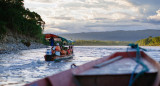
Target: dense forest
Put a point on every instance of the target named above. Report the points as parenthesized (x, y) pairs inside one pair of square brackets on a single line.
[(102, 43), (16, 18), (150, 41)]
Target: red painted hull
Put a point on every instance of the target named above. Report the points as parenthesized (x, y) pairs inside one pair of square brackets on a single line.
[(71, 77)]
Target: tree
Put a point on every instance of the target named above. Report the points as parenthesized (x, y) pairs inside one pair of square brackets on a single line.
[(15, 17)]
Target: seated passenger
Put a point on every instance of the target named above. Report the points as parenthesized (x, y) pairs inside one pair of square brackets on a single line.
[(71, 50), (57, 49), (53, 50), (68, 52), (63, 52)]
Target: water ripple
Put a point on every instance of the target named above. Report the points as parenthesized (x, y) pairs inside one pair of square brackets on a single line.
[(23, 67)]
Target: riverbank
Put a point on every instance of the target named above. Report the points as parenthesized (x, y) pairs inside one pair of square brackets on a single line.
[(9, 47), (15, 42)]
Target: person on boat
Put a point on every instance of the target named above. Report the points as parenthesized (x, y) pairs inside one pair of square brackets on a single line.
[(57, 49), (53, 50), (63, 52), (68, 51), (53, 53), (51, 41), (71, 49)]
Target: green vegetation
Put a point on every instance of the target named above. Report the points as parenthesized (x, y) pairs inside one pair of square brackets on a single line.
[(150, 41), (14, 17), (97, 43)]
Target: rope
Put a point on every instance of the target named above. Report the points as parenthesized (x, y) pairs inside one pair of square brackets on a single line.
[(131, 79), (139, 61)]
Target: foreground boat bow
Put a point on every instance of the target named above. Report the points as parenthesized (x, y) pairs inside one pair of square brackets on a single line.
[(113, 70)]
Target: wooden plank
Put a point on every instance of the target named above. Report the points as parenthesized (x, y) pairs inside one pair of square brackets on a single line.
[(107, 62)]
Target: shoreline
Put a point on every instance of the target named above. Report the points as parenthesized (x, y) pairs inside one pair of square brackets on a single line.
[(16, 42), (12, 47)]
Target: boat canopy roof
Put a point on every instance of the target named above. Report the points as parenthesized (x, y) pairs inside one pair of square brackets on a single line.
[(48, 36), (64, 39)]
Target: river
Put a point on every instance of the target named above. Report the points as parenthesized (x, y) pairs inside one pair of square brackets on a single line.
[(19, 68)]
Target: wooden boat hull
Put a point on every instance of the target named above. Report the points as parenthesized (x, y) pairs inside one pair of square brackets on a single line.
[(58, 58), (116, 80), (73, 77)]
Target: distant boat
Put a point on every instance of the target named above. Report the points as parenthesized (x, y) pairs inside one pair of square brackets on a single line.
[(67, 45), (118, 69), (58, 58)]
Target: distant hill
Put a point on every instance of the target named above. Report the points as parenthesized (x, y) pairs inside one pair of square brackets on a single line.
[(100, 43), (150, 41), (113, 35)]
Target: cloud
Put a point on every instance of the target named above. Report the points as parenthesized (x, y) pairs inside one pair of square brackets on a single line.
[(61, 18), (155, 17), (145, 2), (70, 16), (54, 30), (41, 1), (147, 7), (115, 25)]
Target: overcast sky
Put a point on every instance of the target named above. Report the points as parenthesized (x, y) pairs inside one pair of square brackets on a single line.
[(74, 16)]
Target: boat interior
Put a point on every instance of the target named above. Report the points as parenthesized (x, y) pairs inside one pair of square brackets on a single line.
[(116, 70)]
